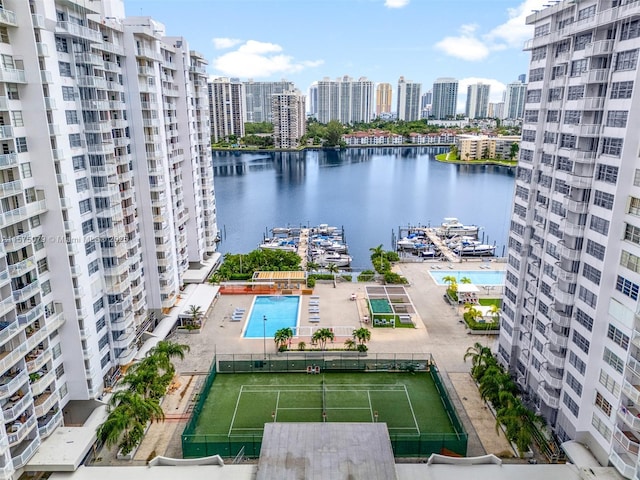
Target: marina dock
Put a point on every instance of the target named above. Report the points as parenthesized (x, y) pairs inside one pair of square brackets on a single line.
[(303, 247), (445, 251)]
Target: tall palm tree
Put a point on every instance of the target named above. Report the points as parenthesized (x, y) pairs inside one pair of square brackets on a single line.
[(471, 312), (350, 344), (312, 267), (481, 358), (495, 381), (362, 335), (520, 422), (494, 310), (332, 268), (196, 314), (377, 252), (466, 280), (321, 336), (282, 337)]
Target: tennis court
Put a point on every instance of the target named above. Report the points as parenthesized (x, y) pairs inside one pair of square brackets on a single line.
[(240, 404)]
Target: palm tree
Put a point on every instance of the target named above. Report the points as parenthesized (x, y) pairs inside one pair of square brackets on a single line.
[(520, 422), (472, 313), (282, 337), (494, 310), (481, 358), (466, 280), (332, 268), (362, 335), (494, 381), (196, 313), (452, 281), (377, 252), (165, 351), (321, 336), (350, 344), (312, 267)]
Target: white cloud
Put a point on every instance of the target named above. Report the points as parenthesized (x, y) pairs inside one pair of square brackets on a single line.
[(396, 3), (255, 59), (222, 43), (510, 34)]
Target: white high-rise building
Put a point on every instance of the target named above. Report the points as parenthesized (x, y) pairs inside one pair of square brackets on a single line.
[(445, 97), (289, 119), (345, 99), (408, 105), (105, 201), (313, 99), (477, 100), (514, 100), (258, 98), (227, 108), (570, 327)]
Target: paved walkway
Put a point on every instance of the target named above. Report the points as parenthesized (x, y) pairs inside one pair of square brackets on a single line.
[(439, 331)]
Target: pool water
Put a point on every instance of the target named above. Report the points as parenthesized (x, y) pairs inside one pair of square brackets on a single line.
[(281, 311), (485, 277)]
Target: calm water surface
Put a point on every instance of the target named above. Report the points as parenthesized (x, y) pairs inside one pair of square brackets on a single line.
[(368, 191)]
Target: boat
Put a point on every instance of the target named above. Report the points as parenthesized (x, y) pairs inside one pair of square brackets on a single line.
[(333, 258), (452, 227), (278, 244), (428, 253), (475, 250)]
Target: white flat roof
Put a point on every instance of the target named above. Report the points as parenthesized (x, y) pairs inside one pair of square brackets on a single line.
[(210, 472), (467, 288), (200, 275)]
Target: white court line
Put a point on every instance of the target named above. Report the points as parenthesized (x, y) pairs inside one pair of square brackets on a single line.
[(412, 412), (235, 411), (370, 406), (277, 403)]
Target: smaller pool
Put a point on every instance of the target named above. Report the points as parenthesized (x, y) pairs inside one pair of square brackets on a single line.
[(486, 277), (281, 311)]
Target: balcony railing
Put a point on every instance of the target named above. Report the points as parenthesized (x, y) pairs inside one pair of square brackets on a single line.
[(12, 75), (46, 428), (26, 454), (44, 403), (7, 17), (18, 431), (631, 391), (623, 463), (627, 439), (79, 31), (555, 359), (14, 409), (12, 384), (550, 398)]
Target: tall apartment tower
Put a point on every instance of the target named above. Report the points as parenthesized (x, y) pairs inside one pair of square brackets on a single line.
[(258, 98), (570, 329), (289, 119), (226, 108), (313, 99), (384, 92), (408, 104), (445, 97), (345, 99), (495, 110), (426, 99), (90, 148), (514, 100), (477, 101)]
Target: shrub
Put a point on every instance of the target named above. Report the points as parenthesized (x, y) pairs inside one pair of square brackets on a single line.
[(311, 282), (362, 348), (366, 276), (394, 278)]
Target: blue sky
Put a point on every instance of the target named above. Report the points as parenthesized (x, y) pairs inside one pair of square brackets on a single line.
[(306, 40)]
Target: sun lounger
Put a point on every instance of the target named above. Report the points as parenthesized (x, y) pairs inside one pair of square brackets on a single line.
[(314, 319), (314, 302), (314, 297), (314, 310)]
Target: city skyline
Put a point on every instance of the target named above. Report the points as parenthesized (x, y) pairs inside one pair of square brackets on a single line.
[(481, 42)]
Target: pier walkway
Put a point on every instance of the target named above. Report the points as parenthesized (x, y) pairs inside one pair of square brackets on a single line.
[(303, 247), (441, 245)]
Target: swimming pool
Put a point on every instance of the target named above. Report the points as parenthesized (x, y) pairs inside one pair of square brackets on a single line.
[(486, 277), (281, 311)]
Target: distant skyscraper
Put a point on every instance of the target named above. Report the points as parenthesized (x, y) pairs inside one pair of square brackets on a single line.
[(345, 100), (477, 101), (384, 92), (226, 105), (495, 110), (313, 99), (408, 105), (514, 98), (289, 119), (445, 96), (426, 99), (522, 78), (258, 98)]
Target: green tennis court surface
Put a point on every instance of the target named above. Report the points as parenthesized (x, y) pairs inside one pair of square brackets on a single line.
[(240, 404)]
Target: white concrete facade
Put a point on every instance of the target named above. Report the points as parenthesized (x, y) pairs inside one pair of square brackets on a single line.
[(345, 100), (289, 119), (514, 100), (408, 104), (570, 328), (227, 108), (258, 99), (477, 101), (445, 96)]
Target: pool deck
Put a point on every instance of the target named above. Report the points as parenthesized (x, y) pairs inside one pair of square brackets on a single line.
[(439, 331)]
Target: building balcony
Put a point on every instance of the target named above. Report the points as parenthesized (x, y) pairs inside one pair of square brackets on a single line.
[(15, 407), (97, 127), (18, 431), (8, 160), (10, 358), (30, 315), (8, 18), (55, 321), (89, 58), (627, 439), (630, 416), (579, 181), (599, 75), (12, 75), (37, 359), (23, 213), (26, 292), (8, 330), (598, 48), (126, 356), (589, 130), (20, 459), (125, 340), (95, 105), (148, 53), (563, 297), (79, 31), (18, 269), (558, 340), (48, 423), (44, 403), (572, 230), (631, 391), (40, 385), (634, 365), (624, 463), (555, 359), (9, 384), (6, 132), (549, 397), (577, 207), (551, 379)]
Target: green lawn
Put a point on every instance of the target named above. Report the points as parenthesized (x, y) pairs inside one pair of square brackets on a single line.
[(242, 403), (490, 301)]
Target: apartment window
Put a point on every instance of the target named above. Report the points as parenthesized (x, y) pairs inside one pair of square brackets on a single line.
[(627, 287), (575, 385), (82, 184), (629, 30), (599, 225), (555, 94), (613, 360), (12, 91), (630, 261), (572, 117), (72, 117), (603, 199), (575, 92), (536, 74), (45, 287), (626, 60), (618, 337), (601, 427), (65, 69), (87, 227), (4, 35), (89, 247), (512, 279), (622, 89), (85, 206), (587, 296), (43, 266), (79, 162), (602, 404), (61, 45), (56, 351), (35, 221), (632, 234), (59, 371), (583, 319), (581, 342), (577, 363), (21, 144), (542, 30), (549, 137), (595, 249), (529, 135), (578, 67), (587, 12), (25, 168), (553, 116), (563, 46), (617, 118), (581, 41), (564, 164), (539, 53), (68, 94), (98, 305), (64, 390), (531, 116), (523, 193), (534, 96), (16, 118), (612, 146), (591, 273), (609, 383), (561, 186), (567, 141), (75, 140), (607, 173), (571, 404), (558, 71)]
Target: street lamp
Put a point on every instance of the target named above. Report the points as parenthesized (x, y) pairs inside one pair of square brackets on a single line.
[(264, 335)]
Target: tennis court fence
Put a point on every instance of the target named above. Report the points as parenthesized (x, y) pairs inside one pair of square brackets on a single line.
[(404, 445)]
